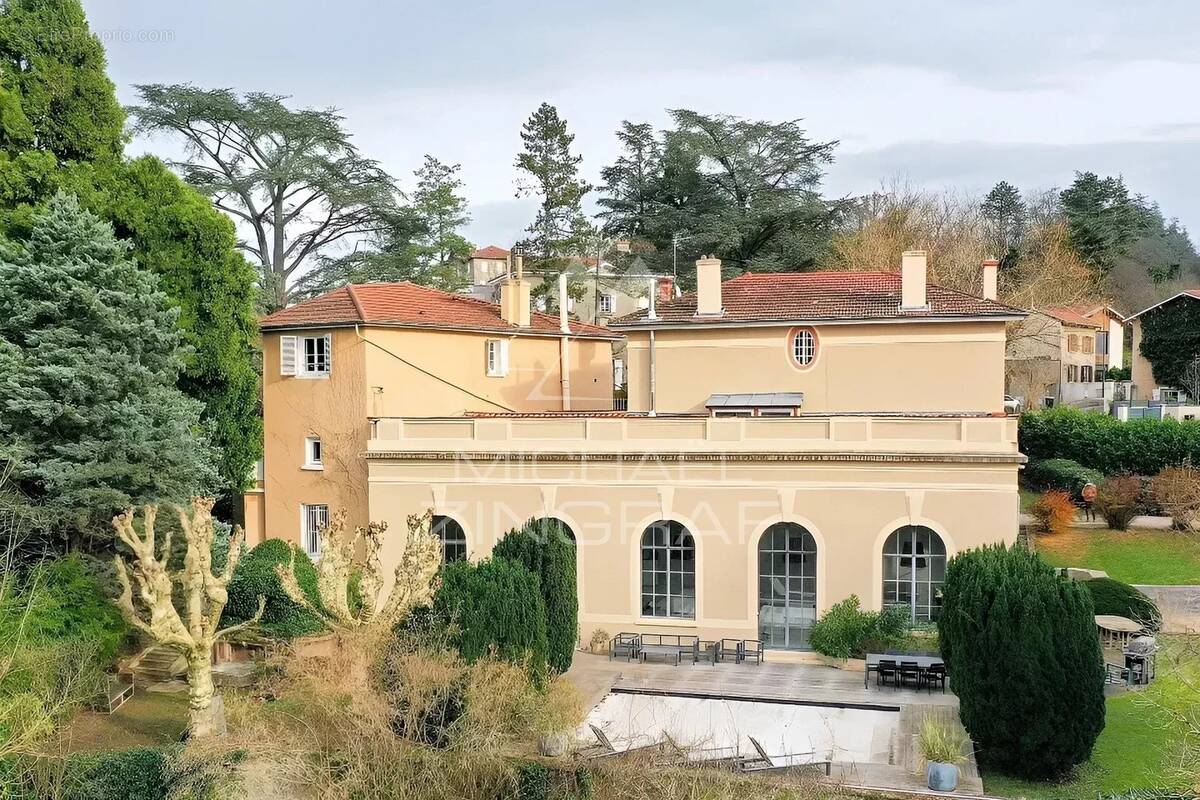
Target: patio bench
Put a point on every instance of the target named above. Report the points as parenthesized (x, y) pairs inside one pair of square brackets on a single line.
[(668, 646)]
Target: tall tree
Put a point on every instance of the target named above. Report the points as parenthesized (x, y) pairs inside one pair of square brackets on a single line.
[(56, 67), (422, 243), (440, 208), (291, 177), (90, 357), (551, 173), (61, 129), (1006, 217), (1102, 218), (632, 183), (745, 190)]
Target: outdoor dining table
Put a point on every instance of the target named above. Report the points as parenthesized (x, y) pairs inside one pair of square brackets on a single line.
[(873, 659)]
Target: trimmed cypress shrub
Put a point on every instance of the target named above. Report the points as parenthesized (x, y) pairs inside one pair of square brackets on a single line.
[(497, 605), (255, 575), (1060, 474), (544, 547), (1021, 649), (1104, 443), (1111, 596)]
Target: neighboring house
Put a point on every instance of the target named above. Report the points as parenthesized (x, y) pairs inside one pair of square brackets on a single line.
[(333, 363), (1148, 387), (795, 439), (487, 265), (1110, 338), (1051, 358)]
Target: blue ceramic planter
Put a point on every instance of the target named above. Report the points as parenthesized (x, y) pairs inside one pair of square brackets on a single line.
[(942, 777)]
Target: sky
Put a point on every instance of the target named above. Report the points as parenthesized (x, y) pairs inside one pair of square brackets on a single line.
[(940, 95)]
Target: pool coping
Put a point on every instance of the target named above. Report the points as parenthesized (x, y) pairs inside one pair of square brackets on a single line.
[(744, 698)]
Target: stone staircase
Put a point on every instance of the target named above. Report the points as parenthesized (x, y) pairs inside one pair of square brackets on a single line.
[(157, 664)]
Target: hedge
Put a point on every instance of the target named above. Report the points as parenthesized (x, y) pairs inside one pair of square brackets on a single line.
[(1060, 474), (1110, 596), (544, 547), (846, 631), (1020, 645), (1104, 443), (255, 575), (494, 605)]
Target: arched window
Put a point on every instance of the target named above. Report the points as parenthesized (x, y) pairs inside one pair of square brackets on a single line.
[(914, 568), (454, 538), (804, 347), (787, 586), (668, 571)]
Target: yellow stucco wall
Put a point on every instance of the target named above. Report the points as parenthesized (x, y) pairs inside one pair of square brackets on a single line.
[(724, 480), (391, 372), (921, 367)]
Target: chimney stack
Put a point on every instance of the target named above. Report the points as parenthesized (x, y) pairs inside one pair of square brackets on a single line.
[(653, 297), (913, 269), (991, 271), (708, 287), (514, 298), (564, 324)]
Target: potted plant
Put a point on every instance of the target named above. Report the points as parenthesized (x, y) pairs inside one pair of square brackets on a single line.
[(599, 641), (944, 747)]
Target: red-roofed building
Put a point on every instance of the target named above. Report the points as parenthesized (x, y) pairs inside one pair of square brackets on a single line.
[(1053, 357), (791, 440), (487, 264)]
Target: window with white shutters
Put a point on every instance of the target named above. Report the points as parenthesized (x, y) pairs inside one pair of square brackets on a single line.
[(497, 358), (317, 356)]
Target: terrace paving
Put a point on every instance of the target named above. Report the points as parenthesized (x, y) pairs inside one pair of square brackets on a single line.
[(791, 683)]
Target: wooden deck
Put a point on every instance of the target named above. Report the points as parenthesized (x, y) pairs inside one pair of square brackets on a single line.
[(896, 764)]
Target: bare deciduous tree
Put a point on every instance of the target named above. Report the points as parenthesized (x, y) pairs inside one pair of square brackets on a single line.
[(1177, 490), (1189, 379), (413, 578), (203, 595)]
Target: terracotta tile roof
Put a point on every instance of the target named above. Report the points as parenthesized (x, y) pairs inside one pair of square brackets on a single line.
[(491, 251), (409, 305), (787, 296), (1070, 316)]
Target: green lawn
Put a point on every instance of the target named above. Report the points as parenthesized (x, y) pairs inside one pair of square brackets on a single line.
[(1133, 751), (148, 719), (1028, 498), (1139, 556)]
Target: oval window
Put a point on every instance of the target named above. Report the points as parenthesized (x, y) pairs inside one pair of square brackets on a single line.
[(804, 347)]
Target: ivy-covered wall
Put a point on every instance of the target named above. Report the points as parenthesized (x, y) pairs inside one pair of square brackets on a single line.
[(1171, 339)]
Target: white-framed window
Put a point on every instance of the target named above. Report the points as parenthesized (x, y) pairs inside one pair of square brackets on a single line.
[(497, 358), (618, 372), (606, 303), (804, 347), (312, 519), (1086, 374), (312, 453), (316, 355)]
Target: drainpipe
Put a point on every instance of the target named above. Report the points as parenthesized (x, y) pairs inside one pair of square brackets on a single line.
[(564, 343), (653, 372)]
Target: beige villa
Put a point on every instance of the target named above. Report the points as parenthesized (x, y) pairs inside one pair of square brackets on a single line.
[(1051, 358), (791, 439)]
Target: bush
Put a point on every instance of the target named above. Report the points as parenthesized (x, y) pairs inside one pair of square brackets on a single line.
[(68, 603), (1177, 491), (544, 548), (1054, 512), (1111, 596), (255, 575), (1117, 500), (1104, 443), (846, 631), (495, 605), (1020, 645), (1060, 474), (143, 773), (537, 781)]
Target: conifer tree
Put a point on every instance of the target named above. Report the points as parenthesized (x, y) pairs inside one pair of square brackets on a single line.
[(90, 356), (551, 173), (1021, 649), (545, 548)]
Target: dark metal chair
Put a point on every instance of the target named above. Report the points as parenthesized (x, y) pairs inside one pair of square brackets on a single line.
[(751, 650), (729, 649), (935, 673), (887, 669), (706, 651), (910, 670), (625, 644)]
